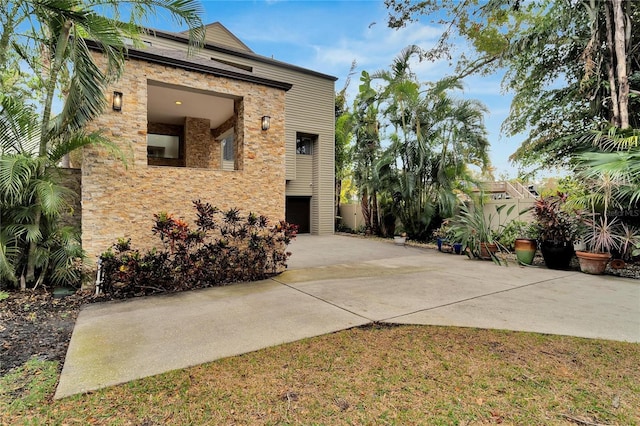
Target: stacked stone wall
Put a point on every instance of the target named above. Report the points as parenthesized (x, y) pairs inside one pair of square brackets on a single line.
[(72, 180), (119, 200)]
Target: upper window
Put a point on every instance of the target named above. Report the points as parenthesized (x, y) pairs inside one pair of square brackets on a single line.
[(304, 144)]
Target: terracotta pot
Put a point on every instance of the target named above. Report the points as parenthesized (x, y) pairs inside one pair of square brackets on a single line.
[(486, 249), (557, 255), (617, 264), (525, 249), (593, 263)]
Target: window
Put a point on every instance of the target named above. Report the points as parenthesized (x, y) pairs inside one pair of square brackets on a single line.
[(304, 144), (165, 149), (228, 153), (163, 146)]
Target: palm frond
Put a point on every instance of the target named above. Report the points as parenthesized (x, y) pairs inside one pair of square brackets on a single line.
[(52, 197), (16, 174)]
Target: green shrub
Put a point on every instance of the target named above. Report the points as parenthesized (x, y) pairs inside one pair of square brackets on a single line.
[(242, 249)]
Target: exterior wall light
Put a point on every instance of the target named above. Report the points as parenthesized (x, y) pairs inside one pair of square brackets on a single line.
[(266, 122), (117, 101)]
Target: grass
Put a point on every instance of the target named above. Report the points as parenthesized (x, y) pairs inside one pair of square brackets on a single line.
[(373, 375)]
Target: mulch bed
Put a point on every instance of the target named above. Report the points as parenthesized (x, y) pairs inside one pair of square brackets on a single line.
[(35, 324)]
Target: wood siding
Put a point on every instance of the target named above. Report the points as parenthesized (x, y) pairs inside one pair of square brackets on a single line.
[(303, 184)]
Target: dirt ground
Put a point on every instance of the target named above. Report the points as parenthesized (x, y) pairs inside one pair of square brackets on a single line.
[(35, 324)]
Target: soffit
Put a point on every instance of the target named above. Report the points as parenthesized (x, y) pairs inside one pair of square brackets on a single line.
[(162, 107)]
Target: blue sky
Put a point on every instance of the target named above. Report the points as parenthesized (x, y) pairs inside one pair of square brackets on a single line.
[(327, 36)]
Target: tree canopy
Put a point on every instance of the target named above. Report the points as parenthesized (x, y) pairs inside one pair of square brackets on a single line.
[(573, 66)]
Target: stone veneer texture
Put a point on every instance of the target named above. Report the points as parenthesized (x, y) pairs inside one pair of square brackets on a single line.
[(120, 200)]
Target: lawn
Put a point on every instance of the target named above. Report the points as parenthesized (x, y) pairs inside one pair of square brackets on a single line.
[(370, 375)]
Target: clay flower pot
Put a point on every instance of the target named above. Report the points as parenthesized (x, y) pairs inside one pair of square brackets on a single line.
[(593, 263), (487, 249), (525, 249)]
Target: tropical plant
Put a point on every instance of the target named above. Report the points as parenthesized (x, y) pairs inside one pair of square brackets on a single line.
[(366, 151), (513, 230), (225, 247), (58, 254), (570, 64), (629, 242), (435, 137), (53, 40), (343, 138), (557, 225), (473, 228)]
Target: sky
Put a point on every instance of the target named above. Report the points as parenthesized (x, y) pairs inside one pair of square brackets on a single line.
[(327, 36)]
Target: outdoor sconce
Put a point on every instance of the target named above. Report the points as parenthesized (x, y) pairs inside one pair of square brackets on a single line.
[(266, 122), (117, 101)]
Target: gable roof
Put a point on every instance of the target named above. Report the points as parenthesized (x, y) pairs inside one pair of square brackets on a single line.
[(240, 53), (216, 33)]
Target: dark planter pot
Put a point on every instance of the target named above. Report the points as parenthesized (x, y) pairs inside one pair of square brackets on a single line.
[(557, 255), (457, 248), (593, 263), (487, 249), (443, 244), (525, 249)]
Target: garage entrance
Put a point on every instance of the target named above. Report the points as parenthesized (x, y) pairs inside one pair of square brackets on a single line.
[(298, 212)]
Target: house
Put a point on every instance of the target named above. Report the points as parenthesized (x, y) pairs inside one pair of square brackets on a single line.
[(224, 125)]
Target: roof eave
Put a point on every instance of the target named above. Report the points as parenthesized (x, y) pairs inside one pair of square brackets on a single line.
[(193, 66)]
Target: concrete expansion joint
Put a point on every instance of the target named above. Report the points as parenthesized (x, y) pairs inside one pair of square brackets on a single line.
[(390, 319), (342, 308)]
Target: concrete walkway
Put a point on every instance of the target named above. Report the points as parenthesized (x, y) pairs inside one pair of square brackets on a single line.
[(334, 283)]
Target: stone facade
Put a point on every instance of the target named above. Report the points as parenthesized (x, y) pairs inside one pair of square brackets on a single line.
[(119, 200), (72, 180)]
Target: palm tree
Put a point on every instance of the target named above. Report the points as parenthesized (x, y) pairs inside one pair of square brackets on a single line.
[(56, 48), (435, 137), (366, 150)]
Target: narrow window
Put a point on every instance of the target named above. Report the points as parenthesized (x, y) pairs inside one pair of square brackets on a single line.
[(228, 152)]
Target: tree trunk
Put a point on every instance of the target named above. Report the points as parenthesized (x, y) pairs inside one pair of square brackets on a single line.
[(615, 107), (366, 212), (621, 62), (375, 219), (31, 256)]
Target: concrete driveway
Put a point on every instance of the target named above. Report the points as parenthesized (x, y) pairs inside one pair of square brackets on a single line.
[(334, 283)]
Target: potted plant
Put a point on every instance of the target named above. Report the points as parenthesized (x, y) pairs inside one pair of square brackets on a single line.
[(602, 235), (629, 246), (558, 229), (525, 243), (442, 235), (473, 230)]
